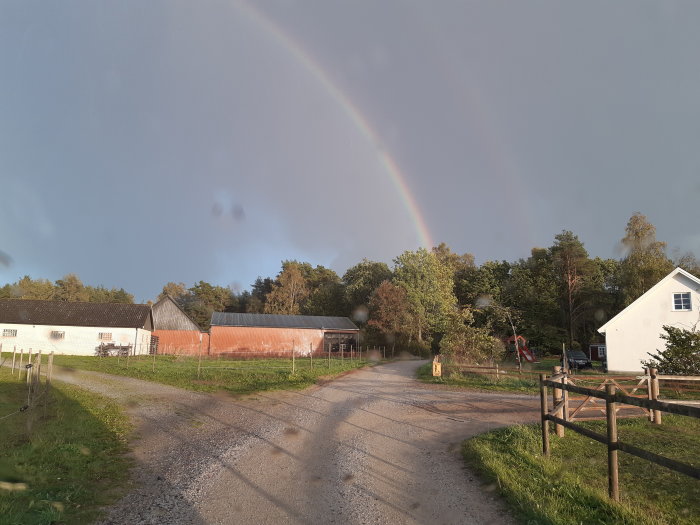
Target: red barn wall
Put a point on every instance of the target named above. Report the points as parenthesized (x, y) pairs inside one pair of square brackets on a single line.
[(240, 341), (181, 342)]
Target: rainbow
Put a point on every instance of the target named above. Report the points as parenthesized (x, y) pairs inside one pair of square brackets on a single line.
[(353, 113)]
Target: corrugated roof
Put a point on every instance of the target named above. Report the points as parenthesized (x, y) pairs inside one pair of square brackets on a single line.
[(282, 321), (61, 313)]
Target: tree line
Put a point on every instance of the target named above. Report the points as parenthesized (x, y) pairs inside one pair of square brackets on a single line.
[(68, 288), (437, 299)]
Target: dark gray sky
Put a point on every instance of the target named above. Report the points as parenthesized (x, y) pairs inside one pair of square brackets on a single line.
[(146, 142)]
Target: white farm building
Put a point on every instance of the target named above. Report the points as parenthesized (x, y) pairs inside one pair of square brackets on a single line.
[(75, 328), (636, 331)]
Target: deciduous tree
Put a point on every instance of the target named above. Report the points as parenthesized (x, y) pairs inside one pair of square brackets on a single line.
[(289, 291), (360, 282), (645, 262), (429, 287), (389, 312)]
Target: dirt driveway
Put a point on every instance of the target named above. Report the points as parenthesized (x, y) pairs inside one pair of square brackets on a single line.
[(374, 446)]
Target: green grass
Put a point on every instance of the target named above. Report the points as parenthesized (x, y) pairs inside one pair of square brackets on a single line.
[(239, 377), (529, 383), (61, 462), (570, 486), (507, 383)]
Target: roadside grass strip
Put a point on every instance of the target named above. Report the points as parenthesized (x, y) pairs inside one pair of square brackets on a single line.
[(467, 380), (239, 376), (570, 486), (61, 461)]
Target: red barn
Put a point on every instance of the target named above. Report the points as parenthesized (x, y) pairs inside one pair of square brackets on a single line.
[(270, 335)]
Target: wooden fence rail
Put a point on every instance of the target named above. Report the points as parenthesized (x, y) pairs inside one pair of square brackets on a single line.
[(612, 399)]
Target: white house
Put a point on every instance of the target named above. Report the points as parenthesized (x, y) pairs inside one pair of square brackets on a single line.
[(74, 328), (635, 332)]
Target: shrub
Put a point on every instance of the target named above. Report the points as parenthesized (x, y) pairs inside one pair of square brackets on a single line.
[(682, 353)]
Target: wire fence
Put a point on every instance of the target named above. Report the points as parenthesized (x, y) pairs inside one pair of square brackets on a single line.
[(27, 370)]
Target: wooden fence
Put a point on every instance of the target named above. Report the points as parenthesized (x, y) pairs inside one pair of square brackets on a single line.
[(559, 414)]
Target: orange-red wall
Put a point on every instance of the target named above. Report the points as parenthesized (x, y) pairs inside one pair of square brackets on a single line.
[(264, 342), (181, 342)]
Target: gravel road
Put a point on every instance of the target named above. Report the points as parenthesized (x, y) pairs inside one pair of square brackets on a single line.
[(373, 446)]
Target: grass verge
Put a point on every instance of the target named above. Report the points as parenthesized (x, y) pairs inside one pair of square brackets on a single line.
[(239, 377), (570, 486), (62, 462), (507, 383)]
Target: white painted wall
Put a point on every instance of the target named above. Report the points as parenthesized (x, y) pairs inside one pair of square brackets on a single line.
[(635, 332), (78, 340)]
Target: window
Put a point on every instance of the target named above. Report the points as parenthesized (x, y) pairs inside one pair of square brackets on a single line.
[(9, 333), (681, 301), (58, 335), (105, 336)]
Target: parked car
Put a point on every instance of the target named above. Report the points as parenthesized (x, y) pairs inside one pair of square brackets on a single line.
[(577, 359)]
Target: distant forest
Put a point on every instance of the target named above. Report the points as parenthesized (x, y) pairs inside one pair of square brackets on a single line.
[(435, 299)]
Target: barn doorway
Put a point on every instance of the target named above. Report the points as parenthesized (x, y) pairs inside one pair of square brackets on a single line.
[(337, 341)]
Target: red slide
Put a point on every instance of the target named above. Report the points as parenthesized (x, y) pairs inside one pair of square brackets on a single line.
[(525, 352)]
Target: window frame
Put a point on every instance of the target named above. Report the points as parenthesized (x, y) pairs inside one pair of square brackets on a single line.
[(681, 298), (58, 335), (104, 336), (9, 332)]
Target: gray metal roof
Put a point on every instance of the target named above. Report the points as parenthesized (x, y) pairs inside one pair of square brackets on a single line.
[(282, 321), (62, 313)]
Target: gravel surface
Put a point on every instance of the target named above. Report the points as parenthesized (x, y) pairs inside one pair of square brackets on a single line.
[(373, 446)]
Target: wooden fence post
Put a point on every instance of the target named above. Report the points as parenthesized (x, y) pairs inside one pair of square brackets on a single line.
[(556, 399), (611, 412), (655, 393), (293, 364), (19, 367), (38, 368), (49, 371), (311, 355), (329, 356), (545, 421), (14, 353)]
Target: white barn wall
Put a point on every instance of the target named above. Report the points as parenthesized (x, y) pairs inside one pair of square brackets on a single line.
[(78, 340), (636, 331)]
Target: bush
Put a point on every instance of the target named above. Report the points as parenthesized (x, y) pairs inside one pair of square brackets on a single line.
[(682, 353)]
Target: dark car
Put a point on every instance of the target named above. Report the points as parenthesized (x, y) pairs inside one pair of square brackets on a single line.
[(577, 359)]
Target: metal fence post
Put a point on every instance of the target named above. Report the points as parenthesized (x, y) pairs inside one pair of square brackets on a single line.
[(611, 412), (650, 393), (545, 421)]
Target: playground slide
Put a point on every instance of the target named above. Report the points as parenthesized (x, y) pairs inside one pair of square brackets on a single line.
[(525, 352)]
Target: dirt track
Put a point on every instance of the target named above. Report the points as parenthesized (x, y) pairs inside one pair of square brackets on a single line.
[(374, 446)]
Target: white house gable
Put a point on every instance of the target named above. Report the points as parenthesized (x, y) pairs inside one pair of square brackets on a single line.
[(635, 332)]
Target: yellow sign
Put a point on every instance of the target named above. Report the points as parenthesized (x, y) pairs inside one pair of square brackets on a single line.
[(437, 369)]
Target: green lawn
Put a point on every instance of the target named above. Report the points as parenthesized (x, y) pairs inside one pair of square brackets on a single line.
[(570, 486), (61, 462), (511, 382), (240, 376), (528, 382)]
